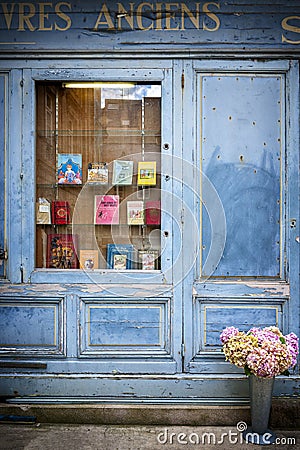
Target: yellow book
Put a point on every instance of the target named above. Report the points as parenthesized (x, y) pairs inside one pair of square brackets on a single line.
[(147, 173)]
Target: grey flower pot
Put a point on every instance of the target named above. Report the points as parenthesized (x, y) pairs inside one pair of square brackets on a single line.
[(260, 392)]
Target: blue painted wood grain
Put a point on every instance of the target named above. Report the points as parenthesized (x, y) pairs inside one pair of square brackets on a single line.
[(293, 210), (138, 328), (15, 234), (241, 156), (31, 327), (243, 318), (3, 118), (38, 321), (141, 288), (211, 316), (124, 326), (99, 26)]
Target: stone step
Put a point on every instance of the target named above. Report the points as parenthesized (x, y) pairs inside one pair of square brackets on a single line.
[(285, 413)]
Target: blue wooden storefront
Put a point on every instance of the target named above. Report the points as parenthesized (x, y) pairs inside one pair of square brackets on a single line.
[(229, 184)]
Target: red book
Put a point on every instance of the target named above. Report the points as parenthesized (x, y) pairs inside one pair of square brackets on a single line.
[(153, 212), (61, 251), (60, 212)]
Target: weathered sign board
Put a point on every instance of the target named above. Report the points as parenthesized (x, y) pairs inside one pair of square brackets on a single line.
[(109, 25)]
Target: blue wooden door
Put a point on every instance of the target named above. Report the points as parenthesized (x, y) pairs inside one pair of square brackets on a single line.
[(2, 169), (234, 198), (247, 209)]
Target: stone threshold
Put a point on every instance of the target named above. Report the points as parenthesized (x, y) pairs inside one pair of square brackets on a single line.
[(285, 412)]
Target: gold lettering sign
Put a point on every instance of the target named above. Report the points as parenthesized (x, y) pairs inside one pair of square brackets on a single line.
[(8, 14), (288, 27), (64, 17), (170, 7), (195, 19), (141, 15), (124, 14), (147, 16), (26, 12), (36, 16), (108, 23), (212, 16), (44, 16)]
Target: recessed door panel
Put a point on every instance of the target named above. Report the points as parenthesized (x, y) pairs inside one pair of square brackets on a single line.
[(241, 154)]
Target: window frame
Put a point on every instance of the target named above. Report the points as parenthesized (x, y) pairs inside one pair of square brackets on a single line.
[(78, 276)]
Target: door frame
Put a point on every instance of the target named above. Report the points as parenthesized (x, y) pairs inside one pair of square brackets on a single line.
[(3, 148)]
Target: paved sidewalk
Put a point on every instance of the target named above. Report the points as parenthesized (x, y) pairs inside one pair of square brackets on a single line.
[(114, 437)]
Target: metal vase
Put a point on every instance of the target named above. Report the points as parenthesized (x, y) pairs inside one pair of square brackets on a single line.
[(260, 391)]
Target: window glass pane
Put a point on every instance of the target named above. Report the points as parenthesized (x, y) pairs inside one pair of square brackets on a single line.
[(98, 176)]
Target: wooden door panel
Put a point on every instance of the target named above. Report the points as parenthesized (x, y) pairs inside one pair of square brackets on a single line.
[(241, 154)]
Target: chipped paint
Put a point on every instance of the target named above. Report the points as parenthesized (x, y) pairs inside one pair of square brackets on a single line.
[(44, 290), (245, 288)]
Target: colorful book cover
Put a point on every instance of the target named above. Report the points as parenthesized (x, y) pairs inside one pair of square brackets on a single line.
[(61, 213), (120, 262), (88, 259), (148, 259), (152, 212), (61, 253), (69, 168), (106, 210), (135, 212), (147, 173), (122, 172), (97, 173), (119, 256)]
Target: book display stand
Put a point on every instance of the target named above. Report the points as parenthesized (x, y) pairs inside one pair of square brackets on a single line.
[(98, 197)]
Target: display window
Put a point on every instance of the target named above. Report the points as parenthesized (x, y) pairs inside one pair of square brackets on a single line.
[(98, 166)]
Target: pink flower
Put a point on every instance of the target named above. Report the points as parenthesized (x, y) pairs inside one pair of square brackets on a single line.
[(266, 334), (264, 352), (228, 333), (292, 343), (270, 359)]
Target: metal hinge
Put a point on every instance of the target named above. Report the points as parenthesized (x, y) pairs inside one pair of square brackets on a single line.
[(182, 80)]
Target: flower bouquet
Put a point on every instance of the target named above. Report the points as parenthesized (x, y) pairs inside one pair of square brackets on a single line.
[(263, 352)]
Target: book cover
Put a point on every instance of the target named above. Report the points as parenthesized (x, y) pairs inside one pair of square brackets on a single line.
[(135, 212), (119, 262), (122, 172), (148, 259), (147, 173), (119, 256), (61, 213), (97, 173), (69, 168), (43, 212), (106, 210), (88, 259), (61, 252), (152, 212)]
